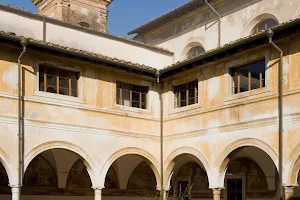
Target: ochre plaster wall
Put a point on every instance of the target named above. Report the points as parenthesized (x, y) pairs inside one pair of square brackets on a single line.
[(92, 125), (222, 122)]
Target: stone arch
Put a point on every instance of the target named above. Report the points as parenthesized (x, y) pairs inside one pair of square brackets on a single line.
[(293, 167), (150, 159), (169, 164), (10, 168), (62, 145), (188, 47), (222, 161), (247, 31)]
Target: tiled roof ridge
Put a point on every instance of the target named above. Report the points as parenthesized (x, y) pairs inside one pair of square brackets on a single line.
[(96, 55), (120, 38)]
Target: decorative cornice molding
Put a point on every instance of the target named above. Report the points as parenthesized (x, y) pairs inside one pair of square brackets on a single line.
[(268, 95), (79, 129), (82, 106), (233, 127)]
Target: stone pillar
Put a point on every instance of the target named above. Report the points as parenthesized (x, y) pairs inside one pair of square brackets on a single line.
[(15, 190), (217, 193), (98, 193), (165, 193), (288, 192)]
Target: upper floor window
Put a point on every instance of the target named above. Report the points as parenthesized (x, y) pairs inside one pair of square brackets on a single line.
[(264, 25), (248, 77), (195, 51), (132, 95), (186, 94), (59, 81)]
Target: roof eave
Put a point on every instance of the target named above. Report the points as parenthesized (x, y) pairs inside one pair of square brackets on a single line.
[(225, 48), (42, 45)]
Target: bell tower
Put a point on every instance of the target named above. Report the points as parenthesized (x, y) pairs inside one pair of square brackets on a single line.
[(90, 14)]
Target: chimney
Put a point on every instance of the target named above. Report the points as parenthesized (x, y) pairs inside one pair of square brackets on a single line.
[(90, 14)]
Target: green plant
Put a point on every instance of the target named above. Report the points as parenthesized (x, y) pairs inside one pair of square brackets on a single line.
[(174, 194)]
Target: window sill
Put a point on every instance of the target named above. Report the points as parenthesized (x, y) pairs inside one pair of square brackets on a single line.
[(57, 97), (185, 108), (132, 109), (252, 94)]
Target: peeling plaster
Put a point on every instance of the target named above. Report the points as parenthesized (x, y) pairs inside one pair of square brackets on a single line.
[(213, 87), (10, 77)]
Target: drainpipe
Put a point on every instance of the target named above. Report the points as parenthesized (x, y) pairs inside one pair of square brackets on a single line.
[(44, 29), (24, 43), (219, 23), (270, 34), (162, 189)]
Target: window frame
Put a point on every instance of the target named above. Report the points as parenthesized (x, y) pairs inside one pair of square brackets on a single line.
[(190, 50), (177, 104), (55, 96), (249, 83), (130, 95), (255, 29)]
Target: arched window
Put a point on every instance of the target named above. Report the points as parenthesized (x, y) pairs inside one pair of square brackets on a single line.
[(195, 51), (264, 25)]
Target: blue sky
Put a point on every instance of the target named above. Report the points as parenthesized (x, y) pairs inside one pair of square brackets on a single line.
[(124, 15)]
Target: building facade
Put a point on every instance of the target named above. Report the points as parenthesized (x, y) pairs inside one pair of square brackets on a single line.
[(193, 99)]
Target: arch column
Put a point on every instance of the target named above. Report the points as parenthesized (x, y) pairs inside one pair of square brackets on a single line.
[(165, 193), (288, 192), (98, 193), (216, 193), (15, 192)]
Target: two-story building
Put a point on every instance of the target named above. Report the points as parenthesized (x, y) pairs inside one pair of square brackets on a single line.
[(193, 99)]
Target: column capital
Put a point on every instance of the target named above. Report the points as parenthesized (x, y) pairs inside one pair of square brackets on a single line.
[(288, 192), (289, 189), (13, 186), (97, 188), (166, 188), (290, 186), (217, 190)]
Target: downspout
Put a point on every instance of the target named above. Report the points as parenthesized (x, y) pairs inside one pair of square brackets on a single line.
[(219, 23), (24, 43), (270, 34), (162, 189), (44, 29)]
